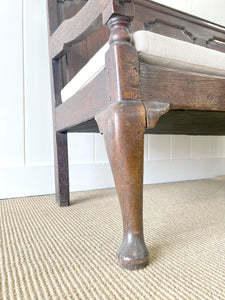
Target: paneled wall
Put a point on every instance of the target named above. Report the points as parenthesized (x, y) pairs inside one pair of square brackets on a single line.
[(26, 154)]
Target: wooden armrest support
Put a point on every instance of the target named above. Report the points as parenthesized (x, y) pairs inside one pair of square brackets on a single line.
[(87, 20)]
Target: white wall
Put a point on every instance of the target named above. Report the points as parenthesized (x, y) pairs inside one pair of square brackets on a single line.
[(26, 154)]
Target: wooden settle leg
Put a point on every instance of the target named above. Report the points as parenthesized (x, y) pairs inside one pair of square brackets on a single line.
[(123, 127), (61, 170), (60, 142)]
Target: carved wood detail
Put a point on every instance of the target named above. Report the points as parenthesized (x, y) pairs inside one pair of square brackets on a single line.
[(154, 110), (165, 28), (118, 26), (122, 83)]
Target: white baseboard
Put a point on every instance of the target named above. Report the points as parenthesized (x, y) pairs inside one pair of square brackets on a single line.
[(26, 181), (179, 170), (39, 180)]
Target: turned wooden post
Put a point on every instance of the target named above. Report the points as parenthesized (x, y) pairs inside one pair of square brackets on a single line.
[(121, 62)]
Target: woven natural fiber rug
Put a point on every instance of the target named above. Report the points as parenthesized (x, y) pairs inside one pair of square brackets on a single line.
[(49, 252)]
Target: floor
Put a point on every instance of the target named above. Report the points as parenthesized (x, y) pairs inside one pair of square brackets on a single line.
[(69, 253)]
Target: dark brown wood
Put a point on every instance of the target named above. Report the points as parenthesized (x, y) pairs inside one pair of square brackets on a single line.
[(77, 28), (149, 15), (154, 110), (93, 41), (60, 149), (88, 19), (125, 1), (83, 105), (180, 31), (127, 98), (190, 123), (182, 90), (61, 169), (176, 122), (158, 18), (52, 15), (122, 66), (122, 8), (123, 127), (81, 52), (60, 140), (77, 57), (58, 82), (171, 12)]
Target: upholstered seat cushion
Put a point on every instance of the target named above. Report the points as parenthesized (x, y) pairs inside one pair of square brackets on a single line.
[(159, 50)]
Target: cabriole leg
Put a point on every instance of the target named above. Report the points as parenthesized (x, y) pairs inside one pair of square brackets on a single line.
[(123, 126)]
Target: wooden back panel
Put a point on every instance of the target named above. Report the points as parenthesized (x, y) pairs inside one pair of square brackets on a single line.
[(148, 16), (80, 53), (166, 21)]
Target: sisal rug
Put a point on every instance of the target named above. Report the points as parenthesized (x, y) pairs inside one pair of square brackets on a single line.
[(49, 252)]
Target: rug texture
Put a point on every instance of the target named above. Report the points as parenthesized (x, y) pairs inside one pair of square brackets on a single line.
[(48, 252)]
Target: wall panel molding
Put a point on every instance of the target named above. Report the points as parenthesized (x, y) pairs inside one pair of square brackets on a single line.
[(11, 82)]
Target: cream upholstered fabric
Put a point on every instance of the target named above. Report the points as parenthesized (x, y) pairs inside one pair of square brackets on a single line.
[(159, 50), (164, 51), (86, 74)]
